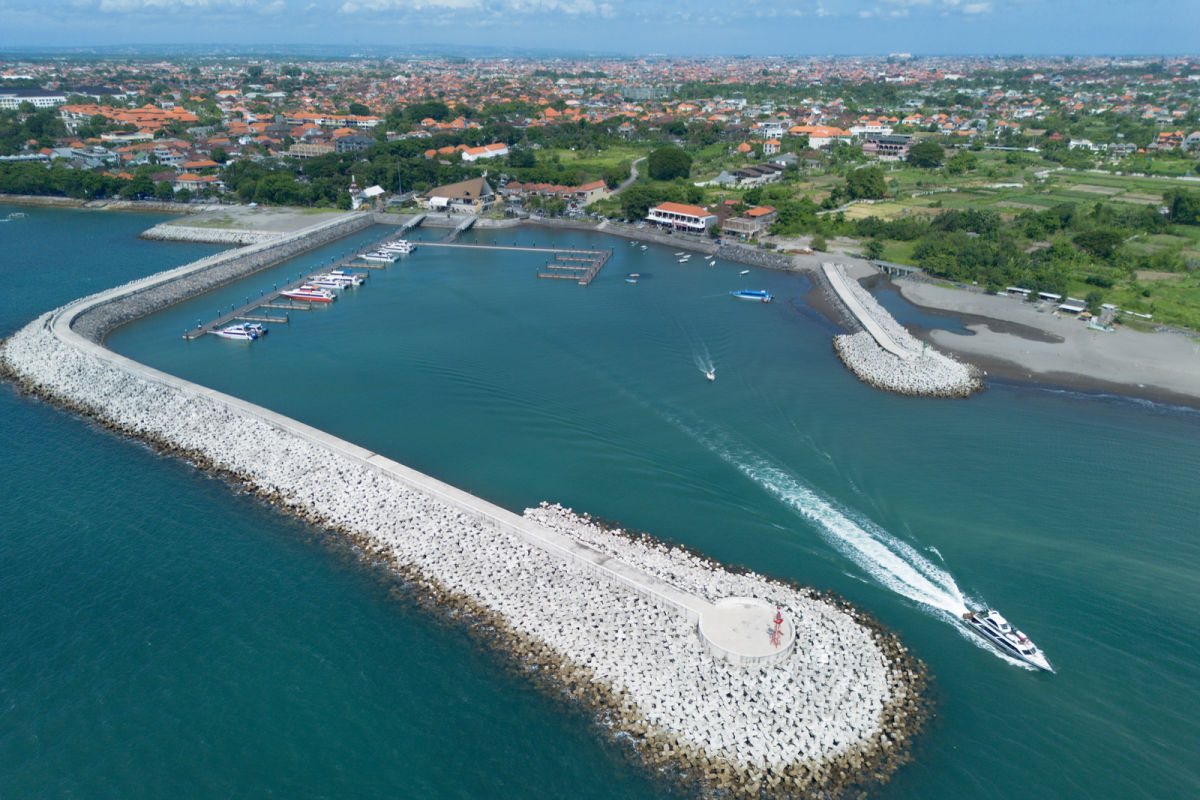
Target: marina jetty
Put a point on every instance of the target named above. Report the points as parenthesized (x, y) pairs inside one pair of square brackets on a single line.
[(726, 681), (883, 354)]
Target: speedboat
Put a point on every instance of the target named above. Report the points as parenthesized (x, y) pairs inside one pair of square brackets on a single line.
[(711, 374), (240, 332), (401, 246), (1005, 638), (744, 272), (329, 280), (379, 257), (256, 327), (633, 277), (313, 294), (762, 295)]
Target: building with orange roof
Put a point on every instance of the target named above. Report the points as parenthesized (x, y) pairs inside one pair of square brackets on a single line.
[(751, 223), (679, 216), (494, 150)]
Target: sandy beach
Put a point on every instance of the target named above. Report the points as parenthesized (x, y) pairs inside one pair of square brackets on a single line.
[(1013, 340)]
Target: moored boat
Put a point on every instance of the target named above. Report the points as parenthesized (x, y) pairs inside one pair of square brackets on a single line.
[(401, 246), (762, 295), (310, 293), (329, 280), (1005, 638), (379, 257), (239, 332)]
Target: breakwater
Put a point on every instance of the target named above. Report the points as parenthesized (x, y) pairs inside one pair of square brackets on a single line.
[(839, 708), (167, 232), (884, 355), (157, 292)]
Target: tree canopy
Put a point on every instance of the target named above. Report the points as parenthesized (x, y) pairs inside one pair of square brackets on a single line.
[(668, 163), (926, 154), (866, 183)]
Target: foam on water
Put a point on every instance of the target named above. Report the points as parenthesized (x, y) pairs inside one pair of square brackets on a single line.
[(890, 561)]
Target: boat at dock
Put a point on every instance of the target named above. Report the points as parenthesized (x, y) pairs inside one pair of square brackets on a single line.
[(345, 273), (240, 332), (379, 257), (331, 281), (761, 295), (1005, 638), (310, 293), (401, 246)]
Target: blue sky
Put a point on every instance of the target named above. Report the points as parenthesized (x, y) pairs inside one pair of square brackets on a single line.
[(702, 27)]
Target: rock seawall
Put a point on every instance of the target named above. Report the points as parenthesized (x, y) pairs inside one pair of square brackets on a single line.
[(838, 712), (166, 232), (884, 355)]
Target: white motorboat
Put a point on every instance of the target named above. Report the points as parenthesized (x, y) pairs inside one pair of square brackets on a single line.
[(1005, 638), (240, 332)]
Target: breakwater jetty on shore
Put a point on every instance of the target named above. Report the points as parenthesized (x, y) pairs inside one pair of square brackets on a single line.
[(883, 354), (675, 651)]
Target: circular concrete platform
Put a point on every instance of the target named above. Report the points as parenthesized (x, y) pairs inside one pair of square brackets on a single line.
[(738, 629)]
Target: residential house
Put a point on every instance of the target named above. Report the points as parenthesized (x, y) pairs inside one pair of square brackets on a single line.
[(751, 223)]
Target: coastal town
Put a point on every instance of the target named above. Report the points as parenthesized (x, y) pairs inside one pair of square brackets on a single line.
[(1074, 179)]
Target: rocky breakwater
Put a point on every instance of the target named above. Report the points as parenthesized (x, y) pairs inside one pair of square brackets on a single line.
[(886, 356), (611, 619), (169, 232)]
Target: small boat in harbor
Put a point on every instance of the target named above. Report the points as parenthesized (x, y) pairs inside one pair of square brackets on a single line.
[(239, 332), (711, 374), (633, 277), (644, 246), (762, 295), (401, 246), (330, 280), (379, 257), (344, 273), (744, 272), (309, 293), (679, 253), (1005, 638)]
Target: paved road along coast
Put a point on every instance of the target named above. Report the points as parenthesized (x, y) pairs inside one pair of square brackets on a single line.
[(671, 648)]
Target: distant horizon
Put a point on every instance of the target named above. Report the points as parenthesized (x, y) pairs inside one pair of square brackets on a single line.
[(616, 28), (447, 50)]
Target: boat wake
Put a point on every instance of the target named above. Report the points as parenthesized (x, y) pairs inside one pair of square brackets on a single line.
[(704, 361), (888, 560)]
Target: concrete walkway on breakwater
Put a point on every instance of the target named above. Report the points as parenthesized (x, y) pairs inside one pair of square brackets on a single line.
[(724, 626), (837, 279)]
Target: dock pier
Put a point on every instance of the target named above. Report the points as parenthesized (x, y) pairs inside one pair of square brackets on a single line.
[(274, 299)]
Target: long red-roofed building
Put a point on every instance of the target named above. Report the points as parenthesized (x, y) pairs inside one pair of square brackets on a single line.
[(681, 216)]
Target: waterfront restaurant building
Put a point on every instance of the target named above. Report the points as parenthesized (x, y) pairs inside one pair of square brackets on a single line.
[(681, 217)]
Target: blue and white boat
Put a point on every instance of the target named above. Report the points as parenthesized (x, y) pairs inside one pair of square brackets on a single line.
[(380, 257), (241, 332), (761, 295)]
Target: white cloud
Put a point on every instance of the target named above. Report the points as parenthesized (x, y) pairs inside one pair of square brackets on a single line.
[(977, 8), (169, 6), (574, 8)]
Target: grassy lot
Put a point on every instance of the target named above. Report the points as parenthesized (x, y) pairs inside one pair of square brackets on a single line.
[(594, 162)]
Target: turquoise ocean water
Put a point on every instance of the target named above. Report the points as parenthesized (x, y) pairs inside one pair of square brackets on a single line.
[(161, 635)]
